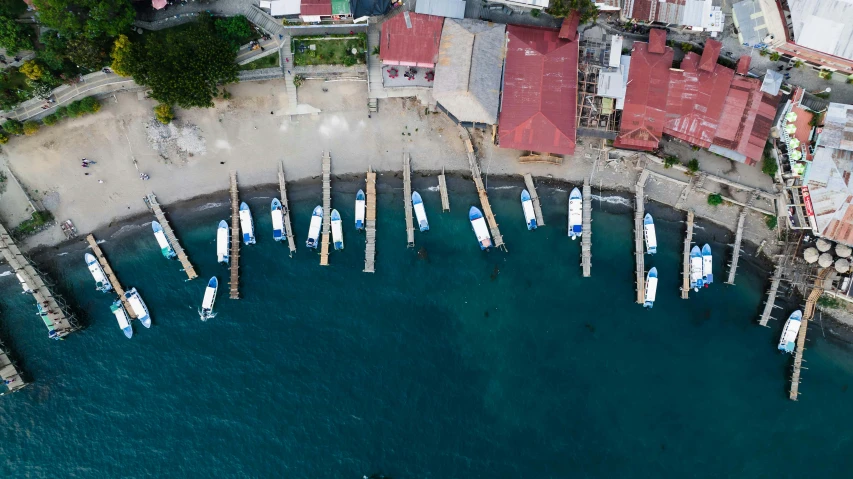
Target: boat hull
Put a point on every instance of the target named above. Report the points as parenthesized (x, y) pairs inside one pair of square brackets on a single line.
[(223, 242), (165, 247), (360, 210), (650, 235), (139, 308), (247, 224), (788, 340), (337, 230), (206, 311), (314, 228), (575, 214), (277, 220), (481, 231)]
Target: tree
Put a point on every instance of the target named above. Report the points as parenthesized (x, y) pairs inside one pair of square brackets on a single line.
[(41, 89), (769, 166), (31, 127), (184, 68), (121, 55), (89, 104), (4, 138), (54, 50), (234, 30), (164, 113), (686, 47), (715, 199), (91, 18), (13, 127), (32, 70), (693, 166), (14, 36), (563, 8), (670, 161), (771, 221), (87, 53), (50, 120)]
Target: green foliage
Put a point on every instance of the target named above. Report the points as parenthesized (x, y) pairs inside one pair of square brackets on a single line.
[(771, 221), (90, 18), (32, 225), (686, 47), (4, 138), (88, 53), (89, 104), (50, 120), (164, 113), (41, 89), (298, 80), (61, 112), (269, 61), (825, 74), (693, 166), (12, 8), (563, 8), (234, 30), (54, 53), (715, 199), (184, 67), (329, 51), (828, 302), (670, 161), (13, 127), (32, 69), (73, 110), (769, 166), (350, 60), (763, 53), (775, 56), (226, 95), (375, 50), (121, 55), (31, 127), (535, 12), (14, 36), (823, 94), (798, 63)]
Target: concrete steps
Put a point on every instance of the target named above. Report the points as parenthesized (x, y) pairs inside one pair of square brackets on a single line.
[(263, 20)]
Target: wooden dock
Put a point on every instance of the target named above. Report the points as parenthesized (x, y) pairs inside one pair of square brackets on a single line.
[(639, 252), (771, 296), (481, 191), (111, 276), (688, 240), (586, 238), (736, 251), (808, 314), (370, 223), (534, 198), (234, 257), (407, 200), (285, 210), (56, 318), (327, 209), (170, 235), (9, 373), (442, 189)]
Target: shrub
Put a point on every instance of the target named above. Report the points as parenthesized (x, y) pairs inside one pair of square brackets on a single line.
[(4, 138), (90, 104), (61, 112), (693, 166), (763, 53), (73, 110), (771, 221), (769, 166), (798, 63), (686, 47), (375, 50), (715, 199), (825, 74), (32, 70), (775, 56), (50, 120), (298, 80), (164, 113), (31, 127), (828, 302), (226, 95), (669, 161), (535, 12), (349, 61), (13, 127)]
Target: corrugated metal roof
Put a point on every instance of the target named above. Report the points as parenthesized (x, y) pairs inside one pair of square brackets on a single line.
[(831, 192), (657, 40), (644, 112), (315, 7), (710, 55), (341, 7), (540, 91), (441, 8), (746, 120), (772, 82), (743, 65), (838, 127), (569, 29), (615, 51), (412, 46)]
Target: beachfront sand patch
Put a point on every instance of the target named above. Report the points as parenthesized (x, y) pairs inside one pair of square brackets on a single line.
[(175, 141)]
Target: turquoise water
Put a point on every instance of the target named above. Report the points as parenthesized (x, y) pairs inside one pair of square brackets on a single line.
[(448, 363)]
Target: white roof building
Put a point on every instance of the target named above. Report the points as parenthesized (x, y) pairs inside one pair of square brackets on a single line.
[(823, 25)]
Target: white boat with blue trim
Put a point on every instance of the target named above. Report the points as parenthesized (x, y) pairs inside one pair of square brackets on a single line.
[(165, 247), (247, 224), (788, 341), (650, 235), (101, 283), (420, 212), (138, 306), (121, 317), (314, 227), (360, 209), (206, 311), (575, 214), (527, 208), (51, 329), (651, 288), (481, 231), (337, 230), (277, 220), (707, 265), (695, 268), (223, 242)]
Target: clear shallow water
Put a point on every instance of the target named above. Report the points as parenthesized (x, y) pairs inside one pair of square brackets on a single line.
[(456, 364)]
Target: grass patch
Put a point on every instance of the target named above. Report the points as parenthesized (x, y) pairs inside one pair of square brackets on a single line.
[(329, 50), (828, 302), (771, 221), (269, 61), (32, 225)]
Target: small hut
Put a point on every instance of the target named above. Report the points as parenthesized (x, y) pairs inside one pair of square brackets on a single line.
[(811, 255), (825, 260), (823, 245)]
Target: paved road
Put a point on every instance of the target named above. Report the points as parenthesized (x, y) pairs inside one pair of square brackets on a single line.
[(94, 83)]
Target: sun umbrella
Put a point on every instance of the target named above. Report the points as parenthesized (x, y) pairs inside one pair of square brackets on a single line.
[(790, 128), (796, 155), (823, 245), (825, 260), (791, 116), (794, 144), (798, 169), (810, 255), (842, 265)]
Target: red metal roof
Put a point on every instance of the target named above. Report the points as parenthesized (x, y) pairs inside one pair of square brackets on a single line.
[(710, 55), (645, 100), (540, 91), (642, 10), (657, 40), (315, 7), (418, 45), (743, 65), (746, 119), (569, 29)]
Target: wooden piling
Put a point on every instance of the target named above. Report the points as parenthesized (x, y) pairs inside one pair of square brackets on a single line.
[(639, 253), (285, 210), (111, 276), (688, 240), (407, 200), (327, 208), (370, 223), (586, 238), (234, 258), (170, 235), (442, 189), (534, 198)]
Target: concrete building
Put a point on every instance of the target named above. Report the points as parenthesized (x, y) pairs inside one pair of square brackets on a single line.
[(694, 15), (441, 8)]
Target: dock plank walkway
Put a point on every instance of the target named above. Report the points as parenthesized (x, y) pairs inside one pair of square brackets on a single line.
[(170, 235), (291, 243), (586, 238), (736, 251), (234, 259), (442, 189), (56, 317), (808, 314), (771, 296), (111, 276), (9, 372), (481, 191), (685, 273), (370, 223), (534, 198), (639, 253), (407, 200), (327, 208)]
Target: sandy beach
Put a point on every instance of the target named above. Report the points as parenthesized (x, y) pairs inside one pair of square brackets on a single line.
[(247, 133)]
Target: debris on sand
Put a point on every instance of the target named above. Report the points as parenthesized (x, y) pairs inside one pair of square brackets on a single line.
[(175, 141)]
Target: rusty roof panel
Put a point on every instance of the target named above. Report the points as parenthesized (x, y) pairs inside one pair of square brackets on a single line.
[(569, 29), (710, 55), (743, 65), (695, 103), (645, 99), (540, 91), (315, 7), (747, 118), (657, 40), (416, 45)]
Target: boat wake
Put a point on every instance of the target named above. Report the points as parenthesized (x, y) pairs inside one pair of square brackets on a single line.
[(432, 188), (124, 229), (5, 273), (614, 200), (62, 254), (205, 317), (208, 206), (507, 187)]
